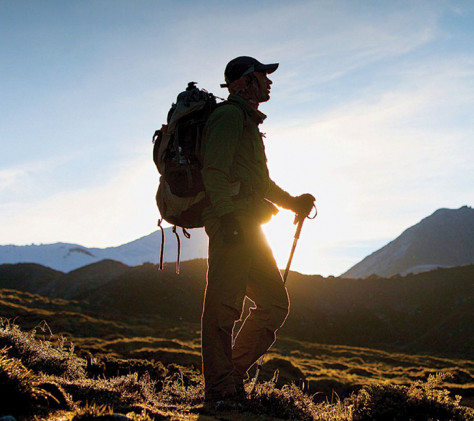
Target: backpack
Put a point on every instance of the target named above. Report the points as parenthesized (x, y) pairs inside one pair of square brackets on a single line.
[(177, 155)]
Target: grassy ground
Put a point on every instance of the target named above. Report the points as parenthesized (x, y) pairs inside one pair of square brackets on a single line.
[(149, 368), (44, 377), (321, 370)]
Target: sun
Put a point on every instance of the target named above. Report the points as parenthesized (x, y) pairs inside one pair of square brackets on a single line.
[(280, 233)]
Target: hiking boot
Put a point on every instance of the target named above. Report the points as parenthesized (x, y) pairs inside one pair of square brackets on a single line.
[(223, 405), (241, 393), (227, 402)]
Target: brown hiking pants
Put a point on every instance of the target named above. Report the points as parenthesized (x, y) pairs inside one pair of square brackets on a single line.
[(236, 271)]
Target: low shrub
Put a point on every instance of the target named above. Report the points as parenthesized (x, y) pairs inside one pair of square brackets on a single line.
[(41, 355), (420, 401), (291, 403), (181, 389), (18, 393)]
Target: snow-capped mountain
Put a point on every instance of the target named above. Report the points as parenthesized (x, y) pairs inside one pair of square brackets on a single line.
[(443, 239), (66, 257)]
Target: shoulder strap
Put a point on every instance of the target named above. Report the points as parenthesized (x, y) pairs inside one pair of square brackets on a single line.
[(236, 105)]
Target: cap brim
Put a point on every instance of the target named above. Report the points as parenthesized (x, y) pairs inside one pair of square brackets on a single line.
[(267, 68), (263, 68)]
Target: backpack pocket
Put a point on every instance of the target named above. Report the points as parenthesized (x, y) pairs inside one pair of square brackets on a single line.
[(182, 211), (185, 180)]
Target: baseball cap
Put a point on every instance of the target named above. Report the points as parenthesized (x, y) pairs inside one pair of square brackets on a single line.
[(244, 65)]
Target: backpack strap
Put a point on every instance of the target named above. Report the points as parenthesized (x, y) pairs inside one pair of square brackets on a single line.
[(236, 105), (178, 240), (178, 257), (162, 249)]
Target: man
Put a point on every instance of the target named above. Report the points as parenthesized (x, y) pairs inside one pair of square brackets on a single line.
[(240, 261)]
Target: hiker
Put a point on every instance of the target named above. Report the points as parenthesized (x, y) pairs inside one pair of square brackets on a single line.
[(240, 262)]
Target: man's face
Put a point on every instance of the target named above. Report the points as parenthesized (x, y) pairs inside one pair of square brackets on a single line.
[(263, 86)]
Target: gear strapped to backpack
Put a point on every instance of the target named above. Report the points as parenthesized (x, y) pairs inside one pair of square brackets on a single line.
[(177, 156)]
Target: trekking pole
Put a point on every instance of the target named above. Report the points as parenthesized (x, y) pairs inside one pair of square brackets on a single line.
[(298, 220)]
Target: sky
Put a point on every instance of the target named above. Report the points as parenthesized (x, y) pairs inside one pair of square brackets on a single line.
[(371, 111)]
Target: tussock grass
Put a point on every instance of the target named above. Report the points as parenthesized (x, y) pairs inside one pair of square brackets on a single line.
[(419, 401), (290, 402), (345, 369), (39, 376), (41, 355), (18, 392), (92, 412), (98, 412), (121, 393), (182, 390)]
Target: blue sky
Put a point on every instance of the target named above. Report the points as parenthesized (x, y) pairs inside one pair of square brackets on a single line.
[(372, 111)]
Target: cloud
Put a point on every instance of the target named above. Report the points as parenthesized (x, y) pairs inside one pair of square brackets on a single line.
[(323, 43), (10, 177), (30, 179), (381, 162), (108, 214)]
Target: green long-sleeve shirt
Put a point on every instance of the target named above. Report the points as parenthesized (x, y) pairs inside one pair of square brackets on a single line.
[(233, 152)]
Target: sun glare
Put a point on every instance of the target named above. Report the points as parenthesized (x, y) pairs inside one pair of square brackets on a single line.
[(280, 233)]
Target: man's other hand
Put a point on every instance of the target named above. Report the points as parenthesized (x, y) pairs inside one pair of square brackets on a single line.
[(231, 228)]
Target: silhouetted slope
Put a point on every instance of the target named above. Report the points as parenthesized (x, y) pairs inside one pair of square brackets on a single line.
[(444, 239), (405, 312), (428, 312), (146, 290), (29, 277), (37, 279), (87, 278)]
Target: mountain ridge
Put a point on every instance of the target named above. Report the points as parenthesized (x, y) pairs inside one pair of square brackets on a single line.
[(443, 239), (67, 257)]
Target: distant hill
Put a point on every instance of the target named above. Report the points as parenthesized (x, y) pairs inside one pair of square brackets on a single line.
[(66, 257), (428, 312), (443, 239), (425, 312), (29, 277)]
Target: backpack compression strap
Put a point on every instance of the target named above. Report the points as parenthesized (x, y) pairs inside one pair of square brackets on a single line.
[(162, 249), (178, 257), (178, 240)]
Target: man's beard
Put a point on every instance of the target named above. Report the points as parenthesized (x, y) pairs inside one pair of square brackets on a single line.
[(250, 90), (263, 95)]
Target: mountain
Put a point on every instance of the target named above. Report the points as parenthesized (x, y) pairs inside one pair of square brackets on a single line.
[(145, 290), (425, 312), (66, 257), (443, 239), (85, 278), (29, 277)]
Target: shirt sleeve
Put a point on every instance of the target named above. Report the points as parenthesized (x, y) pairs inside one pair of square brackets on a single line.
[(277, 195), (222, 135)]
